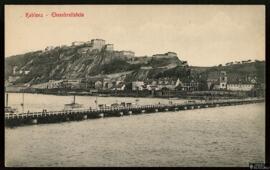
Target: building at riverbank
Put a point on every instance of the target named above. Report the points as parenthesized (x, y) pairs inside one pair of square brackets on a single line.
[(240, 87), (217, 81), (220, 81)]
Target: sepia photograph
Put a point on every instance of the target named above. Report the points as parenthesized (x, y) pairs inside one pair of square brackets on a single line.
[(134, 85)]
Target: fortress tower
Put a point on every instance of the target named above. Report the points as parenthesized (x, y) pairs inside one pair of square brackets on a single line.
[(97, 44)]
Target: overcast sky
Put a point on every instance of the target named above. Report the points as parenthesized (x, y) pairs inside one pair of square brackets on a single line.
[(204, 35)]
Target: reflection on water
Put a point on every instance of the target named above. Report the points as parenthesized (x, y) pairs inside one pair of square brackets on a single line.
[(225, 136)]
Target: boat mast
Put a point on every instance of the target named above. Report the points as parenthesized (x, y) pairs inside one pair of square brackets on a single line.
[(137, 101), (96, 101), (169, 96), (22, 102), (7, 100)]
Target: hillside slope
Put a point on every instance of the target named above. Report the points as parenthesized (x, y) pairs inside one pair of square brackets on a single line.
[(241, 71), (70, 62)]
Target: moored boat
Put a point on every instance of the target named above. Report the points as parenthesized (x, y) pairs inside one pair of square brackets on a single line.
[(9, 109), (73, 105)]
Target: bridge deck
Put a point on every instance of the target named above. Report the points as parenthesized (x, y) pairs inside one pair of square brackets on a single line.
[(23, 118)]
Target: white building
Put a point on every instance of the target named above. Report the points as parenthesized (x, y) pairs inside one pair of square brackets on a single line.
[(127, 53), (98, 84), (40, 86), (12, 79), (109, 47), (119, 87), (166, 55), (240, 87), (73, 83), (7, 83), (138, 85), (151, 87), (190, 86), (15, 70), (26, 72), (217, 81), (108, 84), (52, 84), (77, 43), (97, 44), (222, 82), (168, 83)]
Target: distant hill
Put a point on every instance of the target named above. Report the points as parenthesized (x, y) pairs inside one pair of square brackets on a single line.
[(71, 62), (241, 71)]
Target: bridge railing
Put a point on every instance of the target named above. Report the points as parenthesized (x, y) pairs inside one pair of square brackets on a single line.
[(83, 111)]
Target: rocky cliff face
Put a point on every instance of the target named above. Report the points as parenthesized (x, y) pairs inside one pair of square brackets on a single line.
[(74, 62)]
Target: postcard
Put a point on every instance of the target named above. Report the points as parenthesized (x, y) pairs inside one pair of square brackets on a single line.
[(134, 85)]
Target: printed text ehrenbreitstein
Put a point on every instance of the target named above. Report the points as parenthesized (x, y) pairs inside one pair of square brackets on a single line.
[(53, 14)]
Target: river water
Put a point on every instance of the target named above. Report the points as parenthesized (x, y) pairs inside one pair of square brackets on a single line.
[(223, 136)]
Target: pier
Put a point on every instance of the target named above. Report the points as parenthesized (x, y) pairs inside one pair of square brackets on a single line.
[(31, 118)]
